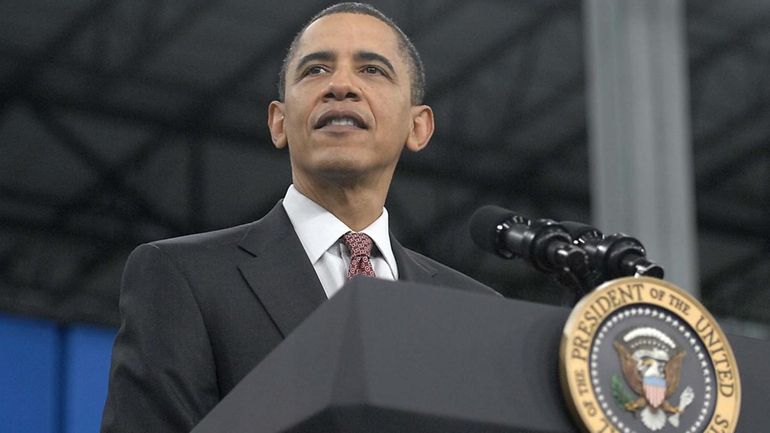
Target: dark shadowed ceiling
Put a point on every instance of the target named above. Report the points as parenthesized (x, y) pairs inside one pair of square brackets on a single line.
[(127, 121)]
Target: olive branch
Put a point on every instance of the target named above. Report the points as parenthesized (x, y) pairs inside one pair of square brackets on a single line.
[(620, 392)]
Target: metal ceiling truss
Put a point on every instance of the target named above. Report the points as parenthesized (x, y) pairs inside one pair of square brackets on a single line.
[(457, 184)]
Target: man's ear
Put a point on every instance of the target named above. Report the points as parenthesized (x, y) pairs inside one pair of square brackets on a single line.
[(275, 121), (422, 128)]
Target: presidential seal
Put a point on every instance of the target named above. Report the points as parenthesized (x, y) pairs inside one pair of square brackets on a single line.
[(640, 355)]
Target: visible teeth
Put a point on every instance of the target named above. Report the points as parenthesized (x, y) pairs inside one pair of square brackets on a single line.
[(342, 122)]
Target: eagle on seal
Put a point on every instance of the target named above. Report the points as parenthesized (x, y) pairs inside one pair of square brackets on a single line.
[(651, 366)]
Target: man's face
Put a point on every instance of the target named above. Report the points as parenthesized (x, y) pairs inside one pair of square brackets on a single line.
[(347, 112)]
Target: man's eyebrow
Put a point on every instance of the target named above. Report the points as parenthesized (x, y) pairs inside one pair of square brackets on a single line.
[(359, 56), (325, 56), (368, 56)]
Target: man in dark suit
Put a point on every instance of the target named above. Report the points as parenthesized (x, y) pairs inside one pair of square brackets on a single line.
[(199, 312)]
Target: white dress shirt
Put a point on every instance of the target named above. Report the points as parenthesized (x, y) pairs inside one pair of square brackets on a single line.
[(319, 231)]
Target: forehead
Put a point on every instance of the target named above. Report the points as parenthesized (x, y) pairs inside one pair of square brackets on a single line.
[(346, 33)]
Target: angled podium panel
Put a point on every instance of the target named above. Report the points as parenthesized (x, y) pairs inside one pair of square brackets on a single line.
[(401, 357)]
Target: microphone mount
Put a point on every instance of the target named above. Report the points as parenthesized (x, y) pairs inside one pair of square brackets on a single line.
[(543, 243), (578, 255), (612, 256)]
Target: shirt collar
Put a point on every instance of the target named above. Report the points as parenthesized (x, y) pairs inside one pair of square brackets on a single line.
[(318, 229)]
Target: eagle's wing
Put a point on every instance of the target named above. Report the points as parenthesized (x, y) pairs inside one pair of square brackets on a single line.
[(672, 372), (628, 365)]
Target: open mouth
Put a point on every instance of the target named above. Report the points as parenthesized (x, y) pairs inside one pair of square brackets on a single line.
[(345, 119)]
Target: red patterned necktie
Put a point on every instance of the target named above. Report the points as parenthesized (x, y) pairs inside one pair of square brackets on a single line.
[(360, 248)]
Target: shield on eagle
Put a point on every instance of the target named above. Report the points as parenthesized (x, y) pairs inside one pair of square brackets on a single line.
[(654, 390)]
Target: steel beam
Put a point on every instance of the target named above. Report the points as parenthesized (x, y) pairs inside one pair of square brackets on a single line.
[(640, 152)]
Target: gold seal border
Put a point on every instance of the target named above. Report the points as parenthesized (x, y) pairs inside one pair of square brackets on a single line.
[(588, 315)]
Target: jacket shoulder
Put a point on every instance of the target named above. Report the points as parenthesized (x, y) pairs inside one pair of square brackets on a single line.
[(449, 277), (227, 236)]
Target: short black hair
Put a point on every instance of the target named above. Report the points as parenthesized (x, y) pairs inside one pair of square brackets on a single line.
[(416, 69)]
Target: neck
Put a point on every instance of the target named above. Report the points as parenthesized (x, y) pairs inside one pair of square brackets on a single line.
[(356, 205)]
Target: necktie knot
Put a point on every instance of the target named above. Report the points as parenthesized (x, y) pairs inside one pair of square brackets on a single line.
[(360, 248), (359, 244)]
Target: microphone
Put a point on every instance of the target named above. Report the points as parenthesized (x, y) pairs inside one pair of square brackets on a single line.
[(613, 256), (543, 243)]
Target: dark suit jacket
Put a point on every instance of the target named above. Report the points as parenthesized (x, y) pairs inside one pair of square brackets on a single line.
[(199, 312)]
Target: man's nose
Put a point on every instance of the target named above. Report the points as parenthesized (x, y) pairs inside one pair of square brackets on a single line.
[(341, 87)]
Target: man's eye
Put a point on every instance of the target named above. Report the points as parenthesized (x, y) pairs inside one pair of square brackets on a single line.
[(315, 70), (372, 70)]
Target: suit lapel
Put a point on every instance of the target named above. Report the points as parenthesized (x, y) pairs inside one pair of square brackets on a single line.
[(282, 277), (280, 274)]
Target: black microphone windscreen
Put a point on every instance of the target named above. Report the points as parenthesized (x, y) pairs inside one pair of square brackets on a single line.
[(483, 226)]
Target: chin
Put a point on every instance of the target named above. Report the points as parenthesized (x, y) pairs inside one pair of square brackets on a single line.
[(341, 160), (347, 165), (341, 170)]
